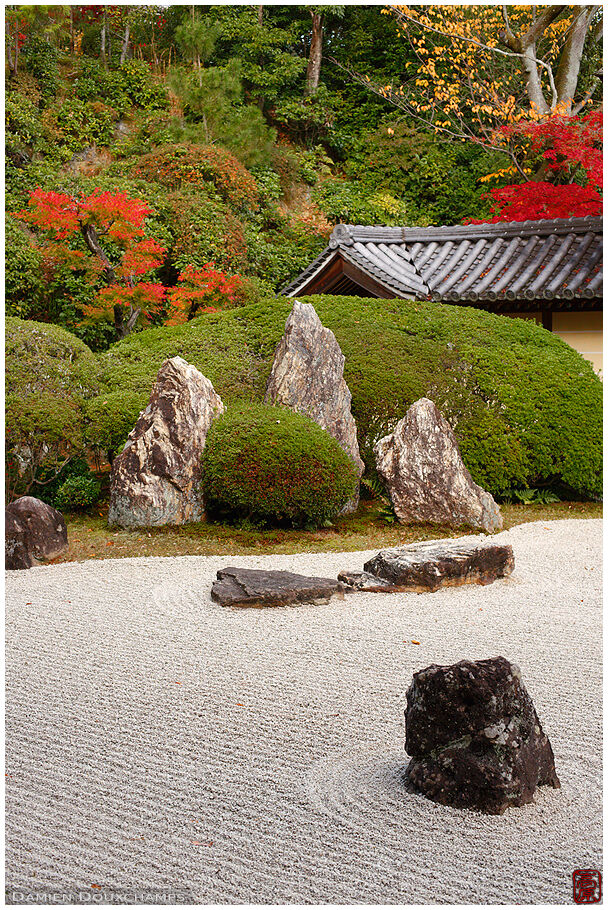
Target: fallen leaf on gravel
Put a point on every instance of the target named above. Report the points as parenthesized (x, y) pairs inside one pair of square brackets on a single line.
[(200, 843), (176, 682), (29, 604), (414, 642), (110, 543)]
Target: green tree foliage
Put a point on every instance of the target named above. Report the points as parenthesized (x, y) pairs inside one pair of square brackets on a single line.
[(214, 110), (525, 407), (270, 465), (269, 68), (23, 281)]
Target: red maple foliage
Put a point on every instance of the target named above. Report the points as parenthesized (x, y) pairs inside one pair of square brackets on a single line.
[(571, 149), (202, 290), (62, 218), (128, 293)]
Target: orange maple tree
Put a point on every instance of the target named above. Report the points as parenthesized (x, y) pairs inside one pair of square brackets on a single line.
[(104, 221)]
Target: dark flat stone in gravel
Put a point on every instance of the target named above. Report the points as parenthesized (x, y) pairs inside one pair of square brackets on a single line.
[(435, 564), (260, 588), (363, 581)]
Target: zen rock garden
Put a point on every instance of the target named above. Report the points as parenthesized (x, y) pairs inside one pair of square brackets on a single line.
[(473, 735), (155, 480), (420, 567)]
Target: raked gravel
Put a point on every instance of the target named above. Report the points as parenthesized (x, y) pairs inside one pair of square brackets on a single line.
[(160, 746)]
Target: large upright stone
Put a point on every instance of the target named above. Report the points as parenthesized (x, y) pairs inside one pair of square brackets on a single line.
[(308, 376), (426, 477), (474, 736), (156, 478), (34, 532)]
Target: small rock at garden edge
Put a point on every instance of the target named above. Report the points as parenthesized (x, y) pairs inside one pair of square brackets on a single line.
[(474, 736), (34, 532), (260, 588), (431, 565), (308, 376), (426, 477)]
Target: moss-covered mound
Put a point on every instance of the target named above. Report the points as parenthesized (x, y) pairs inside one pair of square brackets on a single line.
[(49, 375), (525, 407), (274, 466)]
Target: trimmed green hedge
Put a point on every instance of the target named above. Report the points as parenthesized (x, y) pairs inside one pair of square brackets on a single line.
[(49, 375), (526, 408), (270, 465), (110, 418)]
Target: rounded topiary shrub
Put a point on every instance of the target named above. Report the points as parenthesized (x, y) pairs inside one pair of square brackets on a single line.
[(49, 375), (271, 465), (77, 493)]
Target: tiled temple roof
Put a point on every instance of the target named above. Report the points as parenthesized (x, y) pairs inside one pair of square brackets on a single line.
[(525, 260)]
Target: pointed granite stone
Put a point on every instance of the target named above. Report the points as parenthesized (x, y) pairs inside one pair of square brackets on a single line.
[(156, 478), (308, 376), (426, 476)]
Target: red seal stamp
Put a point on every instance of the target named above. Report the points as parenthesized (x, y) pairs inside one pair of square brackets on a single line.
[(587, 886)]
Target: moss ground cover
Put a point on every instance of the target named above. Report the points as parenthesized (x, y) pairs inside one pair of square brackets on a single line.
[(90, 538)]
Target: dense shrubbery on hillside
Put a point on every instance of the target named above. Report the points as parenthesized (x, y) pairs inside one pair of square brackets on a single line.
[(270, 465), (238, 167), (525, 407)]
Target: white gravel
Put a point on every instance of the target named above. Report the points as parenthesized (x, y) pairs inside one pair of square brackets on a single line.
[(158, 744)]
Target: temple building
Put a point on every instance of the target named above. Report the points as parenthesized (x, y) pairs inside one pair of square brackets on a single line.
[(550, 271)]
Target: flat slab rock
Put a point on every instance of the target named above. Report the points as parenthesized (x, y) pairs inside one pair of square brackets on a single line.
[(432, 565), (474, 736), (259, 588)]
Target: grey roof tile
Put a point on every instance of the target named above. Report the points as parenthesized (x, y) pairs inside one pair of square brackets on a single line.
[(514, 260)]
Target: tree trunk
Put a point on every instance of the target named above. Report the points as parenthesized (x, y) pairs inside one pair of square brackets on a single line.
[(91, 239), (313, 70), (16, 47), (261, 58), (125, 45), (570, 60), (9, 54), (533, 80), (102, 50)]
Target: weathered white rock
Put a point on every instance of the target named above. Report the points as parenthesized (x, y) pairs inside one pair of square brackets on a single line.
[(426, 476), (433, 564), (156, 478), (308, 376)]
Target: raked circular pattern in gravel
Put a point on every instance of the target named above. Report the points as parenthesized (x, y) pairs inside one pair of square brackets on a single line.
[(158, 744)]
